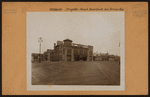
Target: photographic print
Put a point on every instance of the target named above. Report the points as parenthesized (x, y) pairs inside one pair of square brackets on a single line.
[(75, 50)]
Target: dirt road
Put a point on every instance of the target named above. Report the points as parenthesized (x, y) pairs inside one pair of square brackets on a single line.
[(76, 73)]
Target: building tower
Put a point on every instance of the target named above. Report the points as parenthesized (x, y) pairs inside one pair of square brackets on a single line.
[(69, 56), (67, 43)]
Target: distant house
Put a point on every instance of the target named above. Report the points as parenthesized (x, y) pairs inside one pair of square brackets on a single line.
[(101, 57), (117, 58), (104, 57), (46, 55), (98, 58), (94, 54), (36, 56), (111, 58)]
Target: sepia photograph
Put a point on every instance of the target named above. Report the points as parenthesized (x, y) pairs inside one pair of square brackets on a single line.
[(75, 49)]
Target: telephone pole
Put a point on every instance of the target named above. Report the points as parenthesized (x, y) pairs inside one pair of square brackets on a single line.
[(40, 40)]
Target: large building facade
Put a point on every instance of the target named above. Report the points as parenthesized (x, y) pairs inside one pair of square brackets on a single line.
[(67, 51)]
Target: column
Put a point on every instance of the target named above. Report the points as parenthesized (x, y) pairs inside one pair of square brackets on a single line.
[(66, 54), (62, 51), (48, 57), (62, 55), (88, 55), (72, 54), (78, 51), (92, 55)]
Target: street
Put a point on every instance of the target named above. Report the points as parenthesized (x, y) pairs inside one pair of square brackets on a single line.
[(76, 73)]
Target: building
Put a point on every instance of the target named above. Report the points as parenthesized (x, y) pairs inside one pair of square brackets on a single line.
[(98, 58), (36, 56), (111, 58), (117, 58), (102, 58), (46, 55), (67, 51)]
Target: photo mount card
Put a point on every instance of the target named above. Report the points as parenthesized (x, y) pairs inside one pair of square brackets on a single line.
[(18, 76)]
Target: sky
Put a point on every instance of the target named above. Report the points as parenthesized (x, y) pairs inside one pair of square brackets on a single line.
[(102, 30)]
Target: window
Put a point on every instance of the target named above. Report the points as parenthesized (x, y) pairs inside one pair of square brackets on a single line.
[(90, 52), (63, 51), (75, 51), (69, 51)]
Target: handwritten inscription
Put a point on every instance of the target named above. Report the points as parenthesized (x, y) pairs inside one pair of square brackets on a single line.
[(92, 9), (116, 9), (71, 9), (10, 7), (55, 9), (139, 10), (86, 9)]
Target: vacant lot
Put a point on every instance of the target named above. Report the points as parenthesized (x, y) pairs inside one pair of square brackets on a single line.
[(76, 73)]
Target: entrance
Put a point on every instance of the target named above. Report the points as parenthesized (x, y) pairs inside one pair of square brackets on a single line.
[(84, 58), (68, 57), (81, 57), (76, 58)]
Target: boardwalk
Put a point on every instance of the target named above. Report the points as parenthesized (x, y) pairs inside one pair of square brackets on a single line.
[(76, 73)]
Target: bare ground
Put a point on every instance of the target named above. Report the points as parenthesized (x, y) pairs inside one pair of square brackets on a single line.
[(76, 73)]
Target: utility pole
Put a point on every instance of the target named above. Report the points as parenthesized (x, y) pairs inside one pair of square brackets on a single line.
[(40, 40)]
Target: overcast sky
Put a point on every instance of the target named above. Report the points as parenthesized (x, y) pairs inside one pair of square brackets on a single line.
[(99, 29)]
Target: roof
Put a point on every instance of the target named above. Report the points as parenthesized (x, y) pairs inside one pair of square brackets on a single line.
[(36, 54), (104, 55), (111, 56), (68, 39), (117, 57)]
